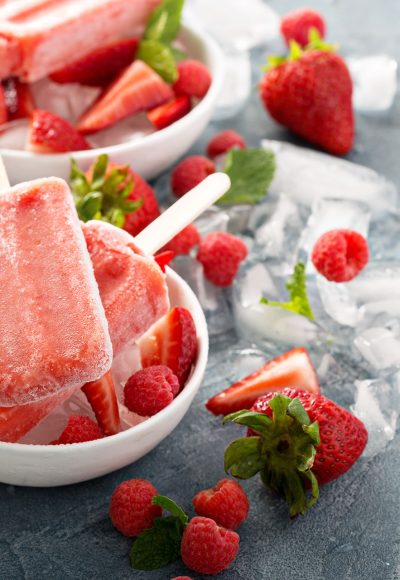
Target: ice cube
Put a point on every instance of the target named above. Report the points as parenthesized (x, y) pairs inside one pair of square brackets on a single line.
[(338, 302), (374, 82), (212, 220), (377, 406), (254, 282), (67, 101), (237, 24), (380, 347), (278, 236), (378, 281), (308, 175), (236, 85), (239, 216)]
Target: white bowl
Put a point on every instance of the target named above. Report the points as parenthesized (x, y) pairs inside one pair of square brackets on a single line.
[(48, 465), (149, 155)]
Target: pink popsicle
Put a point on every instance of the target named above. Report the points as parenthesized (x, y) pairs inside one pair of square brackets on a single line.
[(134, 294), (53, 331), (42, 36)]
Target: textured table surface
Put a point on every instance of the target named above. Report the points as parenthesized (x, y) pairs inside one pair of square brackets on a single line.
[(354, 530)]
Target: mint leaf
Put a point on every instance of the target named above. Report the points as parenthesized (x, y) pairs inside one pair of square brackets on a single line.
[(243, 457), (168, 504), (297, 288), (178, 54), (158, 546), (159, 57), (251, 172), (165, 21)]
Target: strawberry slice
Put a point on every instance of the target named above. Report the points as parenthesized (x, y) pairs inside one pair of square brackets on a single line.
[(164, 258), (99, 67), (138, 88), (19, 99), (292, 369), (3, 107), (172, 342), (51, 134), (103, 400), (167, 114)]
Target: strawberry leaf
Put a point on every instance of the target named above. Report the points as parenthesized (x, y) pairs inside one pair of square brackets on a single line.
[(256, 421), (99, 170), (165, 21), (159, 57), (158, 546), (243, 457), (251, 172)]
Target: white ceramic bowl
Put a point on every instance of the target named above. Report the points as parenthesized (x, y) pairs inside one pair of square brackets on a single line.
[(149, 155), (47, 465)]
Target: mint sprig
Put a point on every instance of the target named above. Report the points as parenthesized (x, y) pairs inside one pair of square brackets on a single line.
[(251, 172), (160, 545), (160, 58), (297, 289)]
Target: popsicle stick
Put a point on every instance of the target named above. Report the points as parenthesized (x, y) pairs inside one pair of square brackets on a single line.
[(4, 182), (182, 213)]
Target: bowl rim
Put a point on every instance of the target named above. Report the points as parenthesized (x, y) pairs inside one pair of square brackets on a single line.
[(216, 59), (188, 392)]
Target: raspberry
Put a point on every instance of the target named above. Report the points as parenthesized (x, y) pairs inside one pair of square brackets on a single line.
[(189, 173), (136, 221), (297, 24), (223, 141), (194, 79), (340, 255), (206, 547), (183, 242), (226, 504), (150, 390), (221, 254), (131, 510), (78, 430)]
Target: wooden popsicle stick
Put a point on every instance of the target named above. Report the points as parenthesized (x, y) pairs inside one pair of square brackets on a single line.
[(182, 213), (4, 182)]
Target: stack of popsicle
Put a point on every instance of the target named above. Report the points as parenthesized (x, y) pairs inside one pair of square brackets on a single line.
[(37, 37), (63, 314)]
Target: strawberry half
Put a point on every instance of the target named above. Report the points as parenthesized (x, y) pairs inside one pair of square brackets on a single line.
[(49, 133), (138, 88), (172, 342), (291, 369), (167, 114), (18, 97), (99, 67), (103, 400), (164, 258)]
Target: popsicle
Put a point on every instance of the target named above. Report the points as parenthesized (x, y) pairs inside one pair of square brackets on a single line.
[(53, 331), (38, 37)]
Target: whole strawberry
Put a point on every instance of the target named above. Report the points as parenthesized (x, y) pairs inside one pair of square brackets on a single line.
[(310, 93), (296, 441), (297, 25)]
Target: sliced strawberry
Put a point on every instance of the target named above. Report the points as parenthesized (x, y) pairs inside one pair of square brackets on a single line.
[(164, 258), (138, 88), (3, 107), (167, 114), (19, 99), (292, 369), (103, 400), (101, 66), (172, 342), (51, 134)]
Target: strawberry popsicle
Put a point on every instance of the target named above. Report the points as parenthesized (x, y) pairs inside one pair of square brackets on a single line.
[(53, 330), (134, 294), (38, 37)]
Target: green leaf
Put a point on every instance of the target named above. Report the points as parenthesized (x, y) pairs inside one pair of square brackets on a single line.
[(159, 57), (78, 181), (99, 170), (251, 172), (295, 409), (168, 504), (297, 288), (165, 21), (158, 546), (116, 217), (243, 458), (313, 432), (89, 205), (178, 54), (256, 421)]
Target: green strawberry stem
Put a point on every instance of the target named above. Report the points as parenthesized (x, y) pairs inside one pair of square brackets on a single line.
[(296, 51), (282, 451)]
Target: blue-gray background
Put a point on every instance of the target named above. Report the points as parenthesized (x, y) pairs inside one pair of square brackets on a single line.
[(354, 530)]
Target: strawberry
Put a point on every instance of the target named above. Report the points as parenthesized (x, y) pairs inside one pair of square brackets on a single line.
[(164, 258), (165, 115), (99, 67), (310, 93), (172, 342), (103, 400), (296, 441), (18, 99), (297, 25), (114, 193), (137, 88), (51, 134), (3, 107), (291, 369)]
